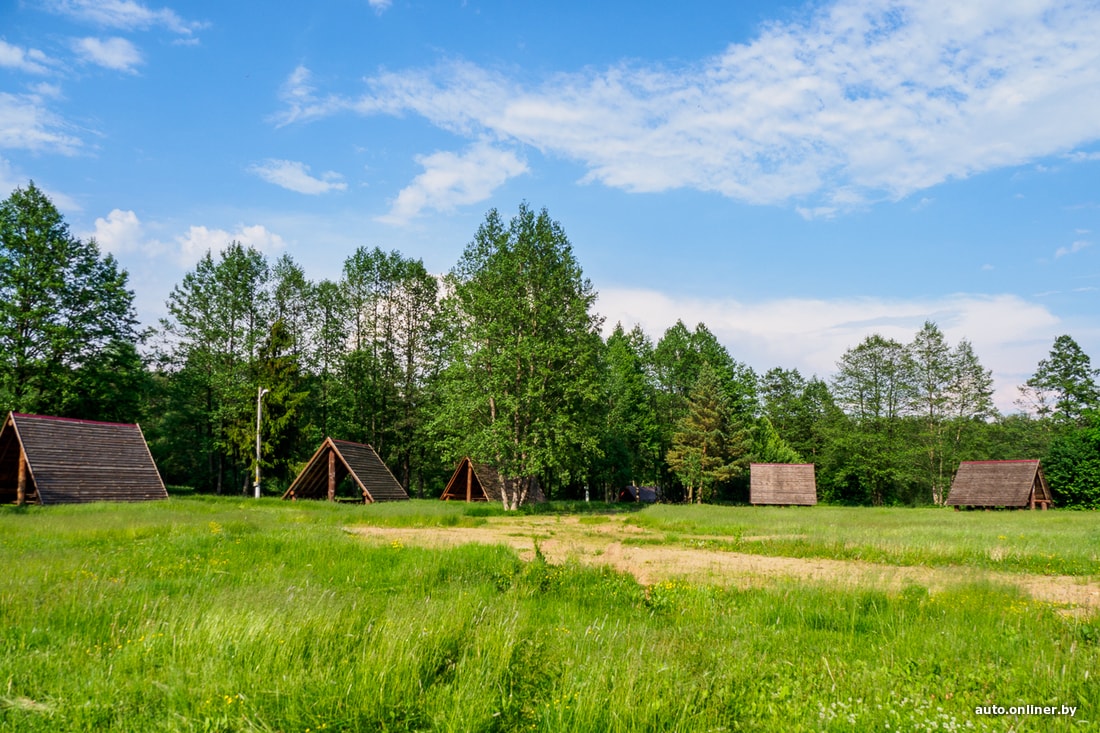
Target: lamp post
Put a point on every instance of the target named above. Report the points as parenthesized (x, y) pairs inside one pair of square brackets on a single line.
[(259, 411)]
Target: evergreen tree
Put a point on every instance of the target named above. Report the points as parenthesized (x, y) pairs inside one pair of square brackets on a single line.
[(707, 448)]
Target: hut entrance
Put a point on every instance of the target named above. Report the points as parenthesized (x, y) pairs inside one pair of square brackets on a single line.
[(344, 471), (465, 485)]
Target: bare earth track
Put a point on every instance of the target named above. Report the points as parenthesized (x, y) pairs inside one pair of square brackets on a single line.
[(563, 540)]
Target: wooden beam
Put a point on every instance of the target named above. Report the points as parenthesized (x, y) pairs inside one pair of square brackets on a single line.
[(332, 475), (21, 482), (469, 482)]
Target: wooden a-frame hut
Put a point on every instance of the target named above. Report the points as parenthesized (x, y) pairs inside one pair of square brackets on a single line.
[(1009, 484), (337, 459), (56, 460), (481, 482), (785, 484)]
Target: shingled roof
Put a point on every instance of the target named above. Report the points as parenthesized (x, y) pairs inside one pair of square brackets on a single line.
[(1018, 484), (337, 459), (63, 461), (786, 484), (481, 482)]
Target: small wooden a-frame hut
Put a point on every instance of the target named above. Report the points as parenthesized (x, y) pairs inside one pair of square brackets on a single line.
[(55, 460), (337, 459), (1009, 484), (785, 484), (481, 482)]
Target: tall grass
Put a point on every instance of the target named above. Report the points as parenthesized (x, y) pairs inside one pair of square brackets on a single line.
[(229, 615)]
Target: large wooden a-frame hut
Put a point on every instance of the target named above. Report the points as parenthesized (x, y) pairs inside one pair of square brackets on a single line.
[(785, 484), (1009, 484), (337, 459), (481, 482), (55, 460)]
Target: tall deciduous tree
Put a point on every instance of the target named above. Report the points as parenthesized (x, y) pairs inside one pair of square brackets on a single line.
[(67, 323), (632, 439), (522, 383), (220, 316), (875, 385), (1064, 384)]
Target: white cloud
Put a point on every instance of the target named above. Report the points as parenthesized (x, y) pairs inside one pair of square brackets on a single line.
[(450, 180), (1072, 249), (123, 14), (870, 98), (27, 125), (112, 53), (295, 176), (299, 96), (30, 60), (1009, 334), (1081, 157), (120, 232), (379, 6), (199, 240)]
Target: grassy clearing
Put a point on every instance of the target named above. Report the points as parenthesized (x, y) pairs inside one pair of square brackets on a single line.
[(1056, 543), (237, 615)]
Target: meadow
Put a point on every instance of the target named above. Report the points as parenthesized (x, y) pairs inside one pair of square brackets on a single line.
[(204, 614)]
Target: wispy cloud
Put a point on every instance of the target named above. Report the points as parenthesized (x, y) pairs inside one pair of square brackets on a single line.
[(862, 101), (30, 60), (380, 6), (1009, 333), (26, 124), (294, 176), (111, 53), (450, 180), (124, 15), (1072, 249)]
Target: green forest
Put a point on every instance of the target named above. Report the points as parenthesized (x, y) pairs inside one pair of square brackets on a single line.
[(502, 359)]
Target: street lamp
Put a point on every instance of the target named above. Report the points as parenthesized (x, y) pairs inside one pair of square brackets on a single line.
[(259, 411)]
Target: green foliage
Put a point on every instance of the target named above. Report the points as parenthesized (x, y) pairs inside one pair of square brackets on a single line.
[(631, 443), (521, 387), (1073, 465), (769, 447), (67, 323), (1064, 384), (710, 446)]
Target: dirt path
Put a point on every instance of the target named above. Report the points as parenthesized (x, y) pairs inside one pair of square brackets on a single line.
[(568, 539)]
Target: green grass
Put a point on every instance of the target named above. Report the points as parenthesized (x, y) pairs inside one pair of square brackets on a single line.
[(1053, 542), (241, 615)]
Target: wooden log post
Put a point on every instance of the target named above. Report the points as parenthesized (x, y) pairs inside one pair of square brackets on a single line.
[(21, 482), (469, 482), (332, 475)]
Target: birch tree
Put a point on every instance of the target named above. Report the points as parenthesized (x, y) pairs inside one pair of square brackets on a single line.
[(521, 387)]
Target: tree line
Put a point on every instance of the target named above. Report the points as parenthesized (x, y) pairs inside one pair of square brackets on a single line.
[(501, 359)]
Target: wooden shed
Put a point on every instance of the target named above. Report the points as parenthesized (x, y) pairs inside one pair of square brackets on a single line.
[(1010, 484), (481, 482), (56, 460), (336, 460), (785, 484)]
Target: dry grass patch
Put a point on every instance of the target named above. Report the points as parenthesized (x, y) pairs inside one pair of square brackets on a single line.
[(623, 547)]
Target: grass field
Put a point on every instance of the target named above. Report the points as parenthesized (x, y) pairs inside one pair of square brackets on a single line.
[(240, 615)]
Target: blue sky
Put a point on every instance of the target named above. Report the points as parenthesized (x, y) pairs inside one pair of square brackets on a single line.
[(795, 175)]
